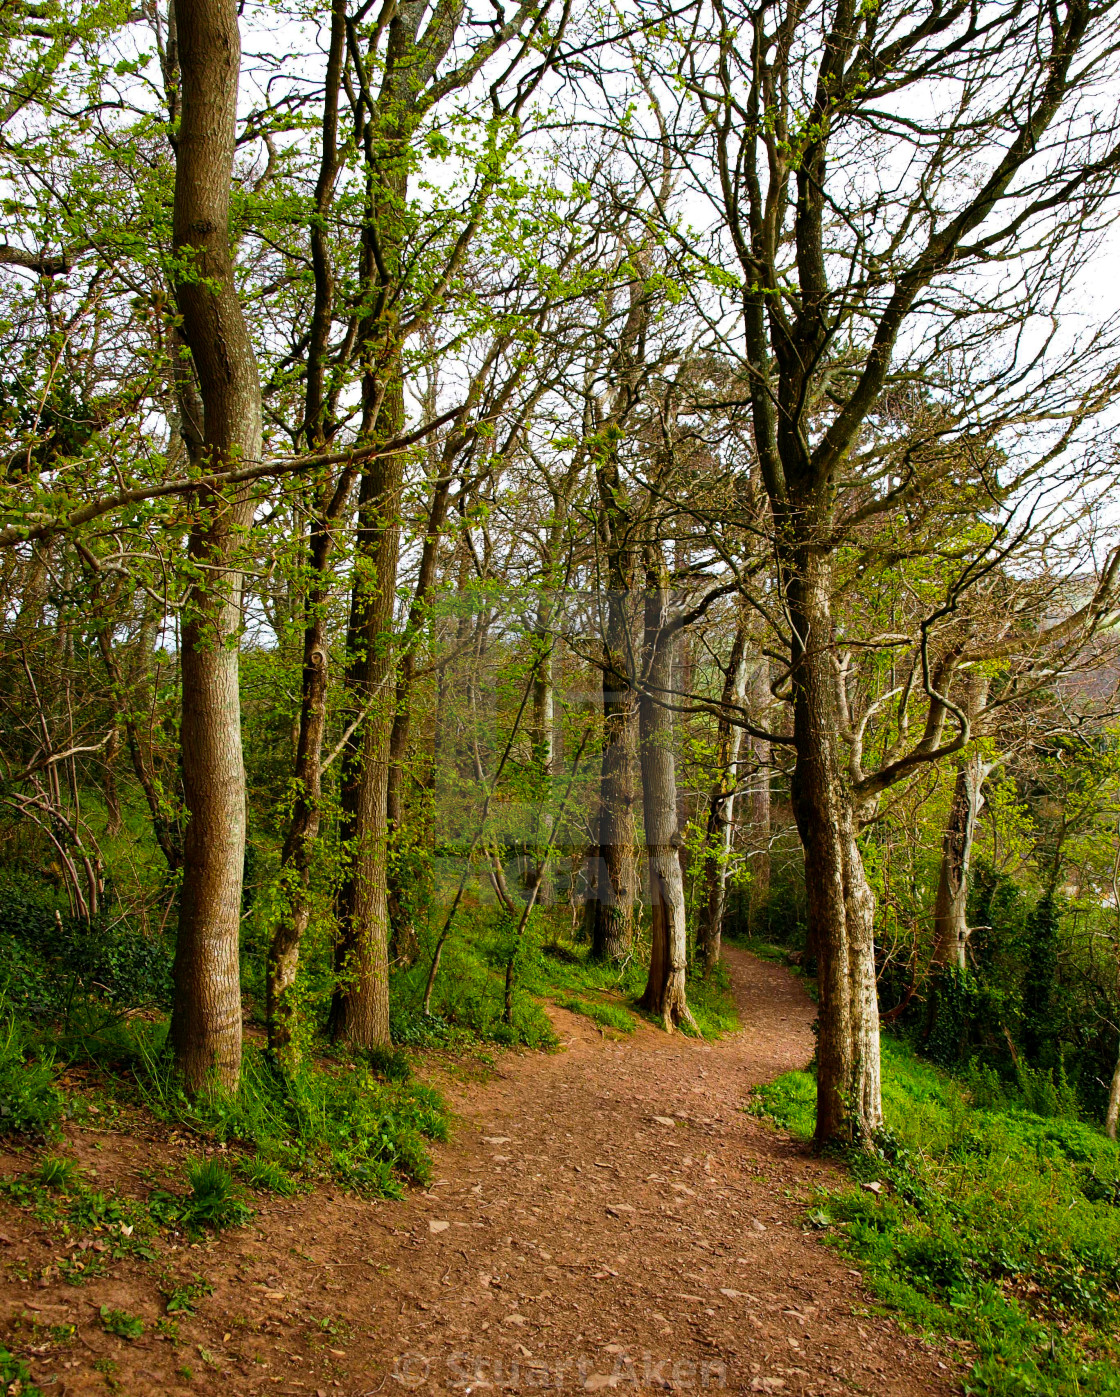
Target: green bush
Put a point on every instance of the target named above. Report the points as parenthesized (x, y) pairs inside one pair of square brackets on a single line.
[(30, 1103), (55, 961)]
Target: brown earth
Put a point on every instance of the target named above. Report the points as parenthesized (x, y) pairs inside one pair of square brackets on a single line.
[(606, 1216)]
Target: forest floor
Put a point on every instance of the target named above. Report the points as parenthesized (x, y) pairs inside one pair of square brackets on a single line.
[(604, 1217)]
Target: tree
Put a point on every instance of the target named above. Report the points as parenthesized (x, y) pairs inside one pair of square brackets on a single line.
[(721, 804), (665, 993), (409, 53), (225, 433), (859, 276)]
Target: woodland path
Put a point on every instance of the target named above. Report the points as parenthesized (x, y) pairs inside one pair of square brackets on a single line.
[(570, 1240)]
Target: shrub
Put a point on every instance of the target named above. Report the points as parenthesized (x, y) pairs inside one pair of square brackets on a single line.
[(57, 1173), (30, 1103), (56, 961), (214, 1201)]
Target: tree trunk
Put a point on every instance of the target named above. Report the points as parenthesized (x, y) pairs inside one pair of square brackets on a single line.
[(612, 875), (841, 905), (665, 989), (721, 810), (404, 945), (1112, 1116), (759, 886), (544, 752), (282, 963), (950, 921), (206, 1020), (360, 1008)]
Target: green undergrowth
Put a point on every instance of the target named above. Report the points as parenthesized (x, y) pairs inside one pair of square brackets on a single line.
[(548, 966), (15, 1375), (600, 1011), (468, 998), (339, 1119), (993, 1224), (30, 1102)]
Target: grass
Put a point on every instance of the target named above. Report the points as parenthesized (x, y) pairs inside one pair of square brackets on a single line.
[(335, 1119), (266, 1176), (548, 967), (215, 1200), (602, 1012), (995, 1225)]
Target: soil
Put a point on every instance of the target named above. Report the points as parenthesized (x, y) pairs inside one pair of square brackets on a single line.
[(604, 1217)]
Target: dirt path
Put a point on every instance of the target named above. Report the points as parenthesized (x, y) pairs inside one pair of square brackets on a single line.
[(604, 1217)]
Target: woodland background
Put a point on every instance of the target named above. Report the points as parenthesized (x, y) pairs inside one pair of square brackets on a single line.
[(494, 501)]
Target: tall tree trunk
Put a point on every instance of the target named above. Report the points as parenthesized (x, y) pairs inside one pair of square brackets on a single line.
[(543, 737), (612, 875), (950, 921), (721, 809), (759, 886), (404, 945), (1112, 1116), (841, 904), (282, 963), (360, 1008), (665, 992), (206, 1019)]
